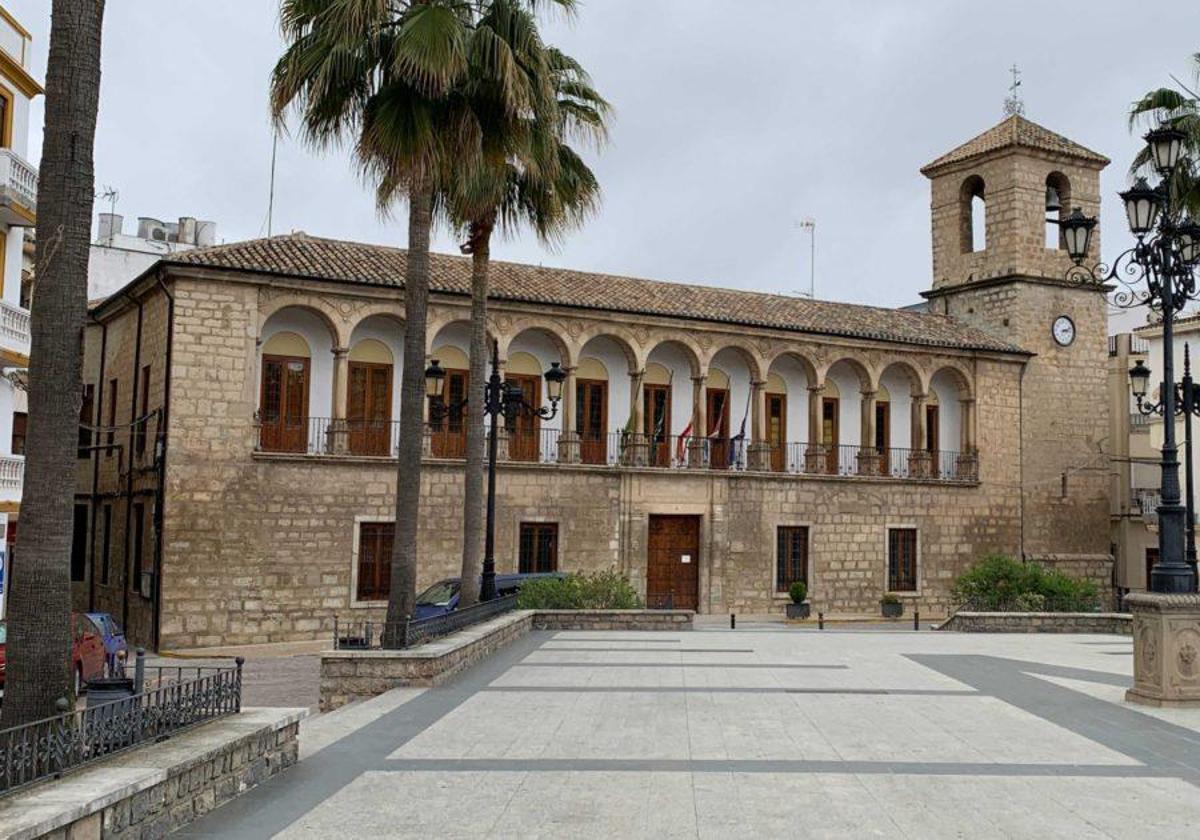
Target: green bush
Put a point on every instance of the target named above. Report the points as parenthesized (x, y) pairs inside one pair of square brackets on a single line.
[(599, 591), (889, 598), (999, 583), (798, 592)]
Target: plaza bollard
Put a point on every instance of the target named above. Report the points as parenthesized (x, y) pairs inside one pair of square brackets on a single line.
[(733, 621), (139, 671), (916, 619), (820, 621)]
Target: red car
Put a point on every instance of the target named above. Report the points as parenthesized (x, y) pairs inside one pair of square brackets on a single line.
[(88, 657)]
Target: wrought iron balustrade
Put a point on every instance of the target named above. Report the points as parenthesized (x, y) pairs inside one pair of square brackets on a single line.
[(53, 746), (367, 634)]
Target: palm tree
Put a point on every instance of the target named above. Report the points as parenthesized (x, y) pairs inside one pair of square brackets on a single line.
[(39, 626), (527, 175), (388, 78), (1180, 107)]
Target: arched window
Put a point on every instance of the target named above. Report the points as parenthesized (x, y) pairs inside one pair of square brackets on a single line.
[(973, 208), (369, 398), (283, 401), (591, 410), (1058, 205)]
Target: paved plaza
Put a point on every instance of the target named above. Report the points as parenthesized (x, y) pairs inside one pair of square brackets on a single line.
[(762, 731)]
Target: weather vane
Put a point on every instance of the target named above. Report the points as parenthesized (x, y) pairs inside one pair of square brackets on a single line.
[(1013, 106)]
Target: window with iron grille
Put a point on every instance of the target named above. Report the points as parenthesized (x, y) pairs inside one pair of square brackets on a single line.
[(902, 559), (375, 560), (791, 557), (538, 551)]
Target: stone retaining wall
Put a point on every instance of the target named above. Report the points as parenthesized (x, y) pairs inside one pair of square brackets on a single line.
[(348, 675), (1039, 622), (156, 789)]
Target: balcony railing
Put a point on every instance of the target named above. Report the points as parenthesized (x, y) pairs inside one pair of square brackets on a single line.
[(12, 473), (14, 327), (326, 436), (18, 180)]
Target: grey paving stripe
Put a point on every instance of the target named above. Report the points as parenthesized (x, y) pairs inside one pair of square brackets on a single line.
[(683, 765), (700, 689), (610, 641), (646, 650), (272, 806), (678, 665)]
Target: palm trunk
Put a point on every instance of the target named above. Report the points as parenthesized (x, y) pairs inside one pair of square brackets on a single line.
[(403, 593), (39, 615), (472, 556)]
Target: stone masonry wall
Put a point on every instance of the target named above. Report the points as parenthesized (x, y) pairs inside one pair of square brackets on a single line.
[(1119, 624)]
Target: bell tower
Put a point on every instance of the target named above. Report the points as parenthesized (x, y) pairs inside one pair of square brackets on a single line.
[(999, 264)]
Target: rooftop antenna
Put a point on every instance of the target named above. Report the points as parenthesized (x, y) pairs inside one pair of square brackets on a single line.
[(810, 225), (1014, 106), (271, 198), (110, 195)]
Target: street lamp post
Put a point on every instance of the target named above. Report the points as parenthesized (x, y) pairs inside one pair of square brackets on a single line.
[(500, 399), (1164, 259)]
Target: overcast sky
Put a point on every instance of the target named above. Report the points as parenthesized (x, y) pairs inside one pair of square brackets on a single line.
[(734, 121)]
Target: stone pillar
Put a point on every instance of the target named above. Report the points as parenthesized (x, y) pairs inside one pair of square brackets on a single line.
[(868, 456), (759, 451), (815, 460), (502, 435), (966, 465), (339, 443), (635, 448), (919, 458), (426, 429), (568, 438), (1166, 649), (698, 442)]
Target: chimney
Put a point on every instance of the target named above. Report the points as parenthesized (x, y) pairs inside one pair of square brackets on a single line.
[(110, 226), (187, 231), (206, 233)]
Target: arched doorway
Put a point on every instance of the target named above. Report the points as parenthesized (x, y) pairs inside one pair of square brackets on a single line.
[(283, 402), (369, 398)]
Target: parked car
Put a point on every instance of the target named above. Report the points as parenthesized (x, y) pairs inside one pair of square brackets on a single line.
[(114, 640), (88, 658), (442, 597)]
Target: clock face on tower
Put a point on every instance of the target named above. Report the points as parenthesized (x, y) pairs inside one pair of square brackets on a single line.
[(1063, 330)]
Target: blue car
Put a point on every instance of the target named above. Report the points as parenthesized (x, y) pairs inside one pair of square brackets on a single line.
[(442, 597), (113, 637)]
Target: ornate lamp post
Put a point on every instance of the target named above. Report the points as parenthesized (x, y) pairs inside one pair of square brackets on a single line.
[(1158, 271), (499, 399)]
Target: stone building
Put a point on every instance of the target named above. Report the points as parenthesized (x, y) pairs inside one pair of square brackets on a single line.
[(712, 445)]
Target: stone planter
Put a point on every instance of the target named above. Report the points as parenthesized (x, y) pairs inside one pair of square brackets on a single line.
[(798, 612), (891, 610), (1166, 649)]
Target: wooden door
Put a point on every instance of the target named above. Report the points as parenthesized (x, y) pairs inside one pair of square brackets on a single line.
[(673, 562), (449, 437), (591, 420), (524, 431), (284, 404), (369, 408), (883, 435), (718, 428), (829, 433), (656, 414), (777, 430)]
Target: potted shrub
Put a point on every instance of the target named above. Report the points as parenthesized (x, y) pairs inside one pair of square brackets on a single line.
[(891, 606), (799, 608)]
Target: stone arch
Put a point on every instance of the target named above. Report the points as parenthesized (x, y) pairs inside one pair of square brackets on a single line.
[(291, 328), (958, 377), (911, 373), (866, 378), (624, 341), (684, 345), (274, 307), (972, 207), (804, 362), (1058, 192), (537, 330), (754, 361), (287, 343)]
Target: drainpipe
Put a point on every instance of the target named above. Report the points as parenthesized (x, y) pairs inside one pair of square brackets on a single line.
[(161, 462), (137, 362), (94, 454)]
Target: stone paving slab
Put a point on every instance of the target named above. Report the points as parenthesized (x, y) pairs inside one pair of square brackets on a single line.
[(835, 734)]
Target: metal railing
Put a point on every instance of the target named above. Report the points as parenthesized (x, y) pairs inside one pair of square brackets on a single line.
[(50, 747), (19, 178), (12, 471), (325, 436), (365, 634)]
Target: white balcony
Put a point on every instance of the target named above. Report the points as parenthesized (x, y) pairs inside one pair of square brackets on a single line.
[(14, 330), (12, 474), (18, 190)]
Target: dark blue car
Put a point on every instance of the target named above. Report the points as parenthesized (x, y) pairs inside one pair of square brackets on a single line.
[(113, 637), (442, 597)]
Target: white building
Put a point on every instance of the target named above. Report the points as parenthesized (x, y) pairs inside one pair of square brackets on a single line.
[(117, 257), (18, 204)]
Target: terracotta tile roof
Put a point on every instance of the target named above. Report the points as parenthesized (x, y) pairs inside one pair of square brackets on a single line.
[(1015, 131), (300, 255)]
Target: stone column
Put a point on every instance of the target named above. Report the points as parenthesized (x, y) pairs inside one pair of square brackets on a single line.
[(868, 456), (568, 438), (698, 442), (1166, 649), (815, 460), (426, 429), (966, 465), (759, 451), (502, 435), (919, 459), (635, 449), (339, 443)]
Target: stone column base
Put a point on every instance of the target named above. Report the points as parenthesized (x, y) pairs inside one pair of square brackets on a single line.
[(759, 457), (868, 461), (697, 449), (635, 451), (920, 463), (568, 448), (815, 459), (966, 468), (1166, 649), (427, 442), (337, 437)]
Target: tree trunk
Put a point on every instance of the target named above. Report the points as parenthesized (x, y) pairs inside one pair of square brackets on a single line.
[(472, 556), (39, 614), (403, 593)]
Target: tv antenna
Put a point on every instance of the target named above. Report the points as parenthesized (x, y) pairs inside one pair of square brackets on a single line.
[(810, 225), (110, 195)]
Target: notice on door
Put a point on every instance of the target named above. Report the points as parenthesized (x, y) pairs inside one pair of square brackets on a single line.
[(685, 558)]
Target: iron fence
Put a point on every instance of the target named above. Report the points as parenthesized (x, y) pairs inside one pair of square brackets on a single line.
[(53, 746), (366, 634)]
